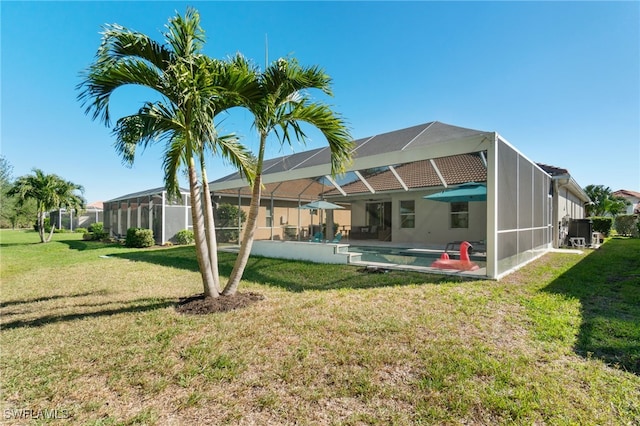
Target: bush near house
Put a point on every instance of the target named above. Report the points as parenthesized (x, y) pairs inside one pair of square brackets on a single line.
[(139, 238), (602, 224), (227, 216), (185, 237), (96, 232), (47, 225), (627, 224)]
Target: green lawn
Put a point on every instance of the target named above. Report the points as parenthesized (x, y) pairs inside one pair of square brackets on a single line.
[(90, 335)]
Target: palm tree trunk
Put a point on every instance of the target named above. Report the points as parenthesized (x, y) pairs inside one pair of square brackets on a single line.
[(41, 225), (249, 232), (210, 287), (53, 227), (210, 227)]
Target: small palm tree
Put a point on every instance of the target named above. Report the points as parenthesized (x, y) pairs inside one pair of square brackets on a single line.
[(50, 192), (192, 88), (282, 106)]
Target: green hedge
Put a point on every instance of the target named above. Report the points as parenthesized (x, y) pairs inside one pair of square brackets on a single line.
[(627, 224), (602, 224), (185, 237), (139, 238)]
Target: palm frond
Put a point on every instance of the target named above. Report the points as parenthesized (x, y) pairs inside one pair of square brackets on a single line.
[(332, 126), (174, 159), (101, 81), (184, 34), (234, 152)]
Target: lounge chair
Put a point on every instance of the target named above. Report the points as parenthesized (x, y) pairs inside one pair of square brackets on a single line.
[(317, 238), (336, 239)]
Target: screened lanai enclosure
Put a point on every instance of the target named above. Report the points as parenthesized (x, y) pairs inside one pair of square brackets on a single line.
[(384, 194), (152, 209)]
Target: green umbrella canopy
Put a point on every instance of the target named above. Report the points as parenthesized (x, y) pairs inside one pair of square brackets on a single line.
[(321, 204), (471, 191)]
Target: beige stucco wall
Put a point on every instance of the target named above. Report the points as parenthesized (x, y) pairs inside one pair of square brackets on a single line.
[(569, 204), (432, 225)]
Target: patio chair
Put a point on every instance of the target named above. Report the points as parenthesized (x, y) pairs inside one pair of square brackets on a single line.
[(336, 239), (317, 238)]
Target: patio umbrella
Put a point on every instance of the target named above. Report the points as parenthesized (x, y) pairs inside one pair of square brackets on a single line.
[(320, 205), (471, 191)]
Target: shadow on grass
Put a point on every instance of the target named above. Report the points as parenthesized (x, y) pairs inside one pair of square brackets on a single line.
[(47, 298), (290, 275), (140, 305), (607, 283), (82, 245)]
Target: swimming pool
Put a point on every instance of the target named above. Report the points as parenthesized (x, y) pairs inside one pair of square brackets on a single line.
[(405, 256)]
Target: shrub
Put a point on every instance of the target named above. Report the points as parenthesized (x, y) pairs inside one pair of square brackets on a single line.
[(81, 230), (227, 217), (602, 224), (185, 237), (139, 238), (88, 236), (96, 227), (97, 230), (47, 225), (627, 225)]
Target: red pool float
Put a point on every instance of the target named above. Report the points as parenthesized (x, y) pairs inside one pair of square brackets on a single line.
[(462, 264)]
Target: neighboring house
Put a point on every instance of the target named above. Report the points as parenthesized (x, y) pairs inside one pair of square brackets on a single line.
[(66, 219), (634, 199), (391, 174), (152, 209)]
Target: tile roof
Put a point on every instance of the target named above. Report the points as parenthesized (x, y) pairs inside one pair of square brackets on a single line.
[(626, 193), (553, 170), (455, 169)]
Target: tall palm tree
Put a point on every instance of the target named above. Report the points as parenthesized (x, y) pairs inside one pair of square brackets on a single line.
[(191, 87), (282, 106), (50, 192), (603, 201)]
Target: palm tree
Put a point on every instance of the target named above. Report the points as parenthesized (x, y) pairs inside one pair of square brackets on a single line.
[(603, 201), (50, 192), (192, 87), (281, 106)]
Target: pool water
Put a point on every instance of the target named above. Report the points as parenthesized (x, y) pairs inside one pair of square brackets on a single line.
[(404, 256)]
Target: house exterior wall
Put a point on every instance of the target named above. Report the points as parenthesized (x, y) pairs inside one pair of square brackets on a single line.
[(635, 203), (569, 205), (432, 220)]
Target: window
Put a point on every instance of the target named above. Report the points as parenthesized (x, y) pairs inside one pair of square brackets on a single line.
[(269, 223), (460, 215), (408, 214)]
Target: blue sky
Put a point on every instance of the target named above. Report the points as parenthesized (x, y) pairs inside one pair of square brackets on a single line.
[(558, 80)]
